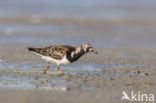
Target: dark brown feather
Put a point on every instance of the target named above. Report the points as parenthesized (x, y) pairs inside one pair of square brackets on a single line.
[(56, 51)]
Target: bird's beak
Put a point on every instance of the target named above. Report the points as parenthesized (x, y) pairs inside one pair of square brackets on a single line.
[(95, 52)]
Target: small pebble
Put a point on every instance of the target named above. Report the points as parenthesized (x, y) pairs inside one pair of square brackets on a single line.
[(146, 74), (111, 78), (138, 71), (20, 73)]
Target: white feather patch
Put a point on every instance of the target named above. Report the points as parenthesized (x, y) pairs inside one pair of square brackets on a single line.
[(63, 61)]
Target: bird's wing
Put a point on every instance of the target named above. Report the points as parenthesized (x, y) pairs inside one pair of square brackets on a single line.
[(56, 52)]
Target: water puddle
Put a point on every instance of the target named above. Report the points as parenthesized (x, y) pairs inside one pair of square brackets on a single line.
[(72, 67), (30, 82), (23, 76)]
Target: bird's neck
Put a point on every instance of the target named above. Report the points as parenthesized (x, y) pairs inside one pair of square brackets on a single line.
[(77, 53)]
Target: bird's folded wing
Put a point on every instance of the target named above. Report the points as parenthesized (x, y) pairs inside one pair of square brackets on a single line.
[(56, 52)]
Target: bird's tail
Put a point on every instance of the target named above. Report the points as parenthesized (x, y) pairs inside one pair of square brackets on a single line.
[(32, 49)]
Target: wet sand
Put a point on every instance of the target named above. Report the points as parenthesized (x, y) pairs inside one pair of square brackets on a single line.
[(122, 32), (89, 87), (102, 84)]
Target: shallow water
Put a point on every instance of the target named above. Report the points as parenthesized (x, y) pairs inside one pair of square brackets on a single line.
[(87, 67), (34, 80), (103, 23)]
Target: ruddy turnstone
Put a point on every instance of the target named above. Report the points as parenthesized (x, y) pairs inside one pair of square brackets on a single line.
[(62, 54)]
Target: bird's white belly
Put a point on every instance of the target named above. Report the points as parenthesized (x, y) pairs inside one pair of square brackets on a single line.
[(63, 61)]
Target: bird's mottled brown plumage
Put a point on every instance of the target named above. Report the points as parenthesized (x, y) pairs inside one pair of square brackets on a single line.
[(56, 51)]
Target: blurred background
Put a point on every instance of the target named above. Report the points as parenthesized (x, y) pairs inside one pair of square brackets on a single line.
[(100, 22), (110, 25)]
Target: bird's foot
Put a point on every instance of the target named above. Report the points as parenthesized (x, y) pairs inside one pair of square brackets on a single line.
[(46, 68), (61, 74), (44, 72)]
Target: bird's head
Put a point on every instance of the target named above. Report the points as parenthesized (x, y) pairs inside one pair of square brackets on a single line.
[(88, 48)]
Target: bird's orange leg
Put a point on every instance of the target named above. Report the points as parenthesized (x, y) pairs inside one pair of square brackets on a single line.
[(61, 72), (46, 68)]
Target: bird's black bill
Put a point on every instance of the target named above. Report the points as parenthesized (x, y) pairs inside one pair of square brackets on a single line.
[(95, 52)]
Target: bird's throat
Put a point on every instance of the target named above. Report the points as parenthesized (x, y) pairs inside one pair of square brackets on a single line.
[(75, 55)]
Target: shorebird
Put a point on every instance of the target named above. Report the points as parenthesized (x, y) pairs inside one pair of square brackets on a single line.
[(62, 54)]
